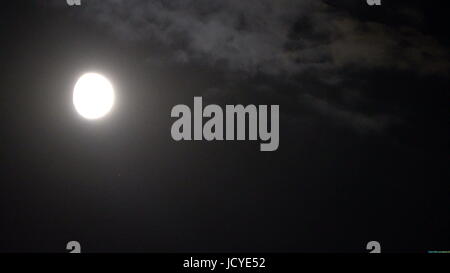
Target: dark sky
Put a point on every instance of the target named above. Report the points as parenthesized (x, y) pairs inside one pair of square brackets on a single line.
[(364, 141)]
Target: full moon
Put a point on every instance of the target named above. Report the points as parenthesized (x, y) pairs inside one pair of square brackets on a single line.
[(93, 96)]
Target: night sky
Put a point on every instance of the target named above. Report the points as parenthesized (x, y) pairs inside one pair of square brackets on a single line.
[(364, 118)]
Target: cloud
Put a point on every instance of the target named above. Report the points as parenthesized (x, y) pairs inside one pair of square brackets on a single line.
[(271, 37), (364, 123), (373, 45), (245, 35), (301, 43)]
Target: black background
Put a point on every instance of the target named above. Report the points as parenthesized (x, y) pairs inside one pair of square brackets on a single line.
[(123, 185)]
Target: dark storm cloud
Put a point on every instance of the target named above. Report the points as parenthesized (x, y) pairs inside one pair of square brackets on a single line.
[(285, 40)]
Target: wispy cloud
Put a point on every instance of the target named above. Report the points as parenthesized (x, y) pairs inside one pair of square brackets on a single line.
[(284, 39)]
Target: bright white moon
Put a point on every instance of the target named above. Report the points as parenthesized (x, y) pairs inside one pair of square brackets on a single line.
[(93, 96)]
